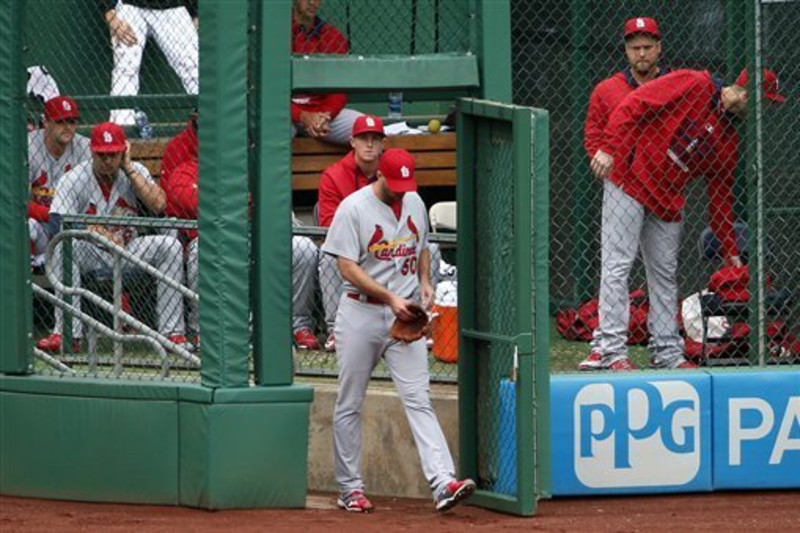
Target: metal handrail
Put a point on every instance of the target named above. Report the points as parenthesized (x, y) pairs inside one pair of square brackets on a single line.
[(148, 334)]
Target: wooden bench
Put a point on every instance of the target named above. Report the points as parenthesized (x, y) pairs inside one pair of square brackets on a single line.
[(435, 156)]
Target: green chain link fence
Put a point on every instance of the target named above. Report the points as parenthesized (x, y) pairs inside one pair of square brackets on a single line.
[(129, 309)]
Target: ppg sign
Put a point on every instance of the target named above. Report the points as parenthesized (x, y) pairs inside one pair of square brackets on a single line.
[(637, 433)]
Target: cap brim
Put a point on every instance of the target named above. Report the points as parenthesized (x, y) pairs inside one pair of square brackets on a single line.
[(404, 185), (62, 117), (775, 97), (112, 149), (655, 36), (370, 130)]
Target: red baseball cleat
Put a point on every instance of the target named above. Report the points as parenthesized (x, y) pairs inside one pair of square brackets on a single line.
[(453, 493), (355, 502), (593, 362), (305, 339), (52, 344), (621, 365), (330, 344)]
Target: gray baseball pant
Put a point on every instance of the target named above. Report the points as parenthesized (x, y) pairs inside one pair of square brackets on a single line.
[(304, 275), (341, 127), (362, 338), (627, 226)]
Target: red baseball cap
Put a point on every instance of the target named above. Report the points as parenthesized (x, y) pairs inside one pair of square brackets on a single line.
[(769, 85), (60, 108), (368, 124), (108, 137), (397, 167), (645, 25)]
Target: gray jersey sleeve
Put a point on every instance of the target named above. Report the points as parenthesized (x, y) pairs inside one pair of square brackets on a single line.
[(343, 235)]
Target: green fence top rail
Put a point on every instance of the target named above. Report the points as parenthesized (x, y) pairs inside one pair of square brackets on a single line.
[(432, 71)]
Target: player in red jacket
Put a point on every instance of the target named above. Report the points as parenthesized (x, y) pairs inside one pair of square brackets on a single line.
[(643, 51), (322, 116), (659, 138), (338, 181)]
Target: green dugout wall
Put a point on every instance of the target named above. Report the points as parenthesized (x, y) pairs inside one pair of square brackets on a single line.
[(239, 437)]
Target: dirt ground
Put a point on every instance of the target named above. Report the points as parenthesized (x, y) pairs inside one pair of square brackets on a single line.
[(752, 511)]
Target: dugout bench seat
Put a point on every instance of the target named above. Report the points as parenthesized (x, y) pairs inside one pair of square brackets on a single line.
[(435, 156)]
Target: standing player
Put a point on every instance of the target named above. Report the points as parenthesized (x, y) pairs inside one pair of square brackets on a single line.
[(173, 26), (379, 236), (110, 184), (322, 116), (658, 139), (52, 152), (338, 181), (643, 51)]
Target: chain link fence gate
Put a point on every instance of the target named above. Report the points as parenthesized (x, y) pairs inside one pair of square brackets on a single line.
[(562, 50)]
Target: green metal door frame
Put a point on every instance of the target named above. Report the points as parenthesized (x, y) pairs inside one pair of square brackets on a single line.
[(530, 262)]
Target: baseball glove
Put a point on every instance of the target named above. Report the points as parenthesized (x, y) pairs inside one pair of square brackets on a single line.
[(412, 330)]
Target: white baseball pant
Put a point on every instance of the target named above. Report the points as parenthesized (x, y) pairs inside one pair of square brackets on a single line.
[(176, 36)]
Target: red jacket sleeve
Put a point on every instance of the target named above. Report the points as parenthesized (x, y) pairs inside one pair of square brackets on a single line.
[(329, 198), (38, 212), (596, 119), (645, 103), (181, 191), (719, 187)]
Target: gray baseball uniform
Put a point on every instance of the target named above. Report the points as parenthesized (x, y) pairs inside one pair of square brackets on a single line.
[(79, 192), (367, 231), (44, 172)]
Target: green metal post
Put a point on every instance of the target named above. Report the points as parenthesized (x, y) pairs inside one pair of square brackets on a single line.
[(541, 296), (754, 177), (16, 312), (223, 205), (495, 51), (735, 59), (467, 361), (523, 264), (272, 234), (585, 184)]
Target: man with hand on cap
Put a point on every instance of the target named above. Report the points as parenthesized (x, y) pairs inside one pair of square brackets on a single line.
[(52, 152), (379, 236), (658, 139), (110, 184), (643, 51)]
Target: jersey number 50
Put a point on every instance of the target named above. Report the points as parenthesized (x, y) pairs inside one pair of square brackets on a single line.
[(409, 266)]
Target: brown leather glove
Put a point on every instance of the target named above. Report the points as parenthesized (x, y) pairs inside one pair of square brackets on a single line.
[(413, 330)]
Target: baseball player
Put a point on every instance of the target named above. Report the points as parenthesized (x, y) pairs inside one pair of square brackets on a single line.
[(52, 152), (110, 184), (379, 236), (172, 23), (355, 170), (643, 51), (657, 140), (322, 116)]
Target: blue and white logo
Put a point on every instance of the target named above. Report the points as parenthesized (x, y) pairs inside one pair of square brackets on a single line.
[(757, 430), (636, 433)]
